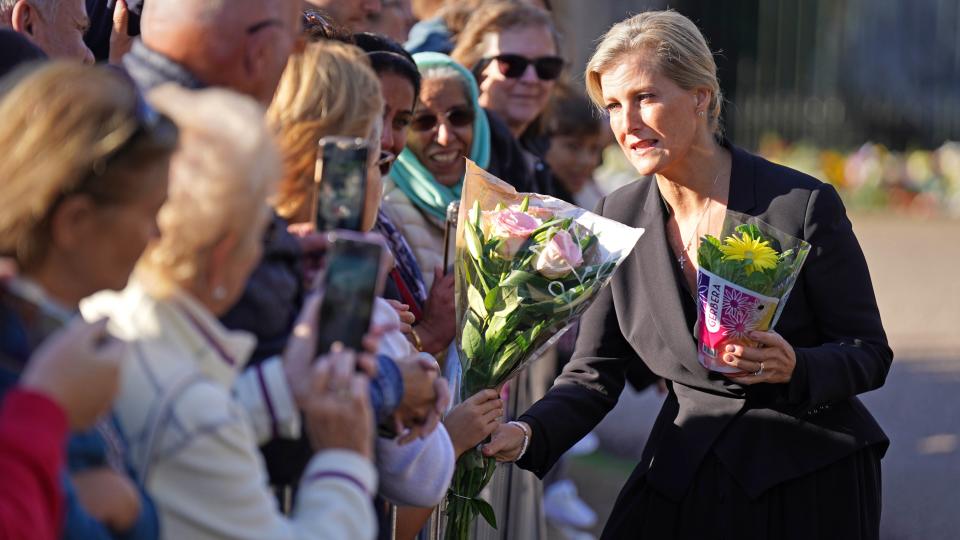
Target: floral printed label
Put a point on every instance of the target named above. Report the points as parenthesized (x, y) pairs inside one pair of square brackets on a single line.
[(727, 313)]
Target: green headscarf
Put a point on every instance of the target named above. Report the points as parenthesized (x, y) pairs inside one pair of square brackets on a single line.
[(413, 179)]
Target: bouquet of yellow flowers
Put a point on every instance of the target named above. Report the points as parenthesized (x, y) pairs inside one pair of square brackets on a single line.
[(526, 267), (742, 284)]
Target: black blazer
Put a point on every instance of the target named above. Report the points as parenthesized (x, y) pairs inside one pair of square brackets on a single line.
[(764, 434)]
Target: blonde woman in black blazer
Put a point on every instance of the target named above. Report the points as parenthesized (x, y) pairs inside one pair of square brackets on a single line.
[(786, 451)]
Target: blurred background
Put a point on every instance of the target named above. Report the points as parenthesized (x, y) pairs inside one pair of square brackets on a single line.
[(864, 94)]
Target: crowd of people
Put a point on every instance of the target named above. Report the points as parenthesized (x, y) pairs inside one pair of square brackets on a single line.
[(159, 308)]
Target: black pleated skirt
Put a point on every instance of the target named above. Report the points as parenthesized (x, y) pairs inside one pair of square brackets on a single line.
[(840, 501)]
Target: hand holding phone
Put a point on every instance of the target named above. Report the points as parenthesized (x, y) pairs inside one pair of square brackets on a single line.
[(338, 413), (352, 279)]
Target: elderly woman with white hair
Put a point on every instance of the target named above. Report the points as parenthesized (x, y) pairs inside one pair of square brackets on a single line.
[(194, 420), (780, 447)]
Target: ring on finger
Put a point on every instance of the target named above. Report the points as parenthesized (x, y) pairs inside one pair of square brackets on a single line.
[(759, 370)]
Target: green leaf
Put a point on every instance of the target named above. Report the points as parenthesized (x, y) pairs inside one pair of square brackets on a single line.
[(525, 204), (517, 278), (474, 245), (587, 242), (751, 230), (498, 299), (514, 351), (475, 301), (490, 300), (499, 329), (471, 340), (486, 511), (709, 256)]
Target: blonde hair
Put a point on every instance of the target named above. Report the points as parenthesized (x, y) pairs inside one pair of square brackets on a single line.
[(495, 17), (220, 178), (67, 130), (328, 89), (681, 51)]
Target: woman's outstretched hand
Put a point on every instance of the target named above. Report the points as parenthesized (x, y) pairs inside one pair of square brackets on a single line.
[(773, 362), (505, 443)]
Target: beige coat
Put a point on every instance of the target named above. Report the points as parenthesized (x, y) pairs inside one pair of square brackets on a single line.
[(193, 422), (423, 232)]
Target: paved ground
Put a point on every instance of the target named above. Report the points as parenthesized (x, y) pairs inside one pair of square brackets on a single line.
[(913, 266)]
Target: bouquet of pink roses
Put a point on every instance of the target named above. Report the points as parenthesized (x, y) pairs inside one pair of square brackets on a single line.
[(526, 267)]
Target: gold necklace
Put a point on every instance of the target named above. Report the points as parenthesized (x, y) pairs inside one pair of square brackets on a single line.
[(682, 259)]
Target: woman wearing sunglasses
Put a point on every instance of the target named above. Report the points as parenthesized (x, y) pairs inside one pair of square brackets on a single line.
[(448, 126), (513, 50)]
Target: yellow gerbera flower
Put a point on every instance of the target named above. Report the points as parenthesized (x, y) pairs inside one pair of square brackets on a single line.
[(758, 255)]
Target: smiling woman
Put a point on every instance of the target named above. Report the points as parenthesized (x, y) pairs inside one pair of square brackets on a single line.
[(442, 131), (513, 50), (428, 174)]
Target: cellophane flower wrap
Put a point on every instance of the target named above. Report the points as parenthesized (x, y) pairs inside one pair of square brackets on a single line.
[(527, 266), (743, 282)]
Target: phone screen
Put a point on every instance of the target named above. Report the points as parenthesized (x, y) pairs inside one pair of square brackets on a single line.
[(341, 188), (351, 282)]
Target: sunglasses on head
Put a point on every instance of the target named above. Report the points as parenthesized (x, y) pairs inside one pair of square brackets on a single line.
[(457, 116), (513, 66)]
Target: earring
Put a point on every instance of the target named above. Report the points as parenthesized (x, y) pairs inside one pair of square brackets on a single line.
[(701, 114), (219, 292)]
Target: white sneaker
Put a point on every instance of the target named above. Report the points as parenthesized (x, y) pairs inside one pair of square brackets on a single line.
[(569, 533), (586, 445), (562, 506)]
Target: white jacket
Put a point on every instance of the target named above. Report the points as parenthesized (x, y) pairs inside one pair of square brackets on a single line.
[(194, 429)]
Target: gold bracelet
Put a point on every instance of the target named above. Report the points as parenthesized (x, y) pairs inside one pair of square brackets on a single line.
[(417, 344)]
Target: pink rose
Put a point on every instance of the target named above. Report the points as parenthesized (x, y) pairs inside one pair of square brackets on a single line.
[(560, 256), (513, 228)]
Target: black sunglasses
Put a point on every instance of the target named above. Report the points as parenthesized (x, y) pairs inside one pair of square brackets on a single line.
[(513, 66), (457, 116)]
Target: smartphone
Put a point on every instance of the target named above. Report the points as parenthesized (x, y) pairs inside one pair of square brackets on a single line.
[(353, 278), (341, 181), (135, 9)]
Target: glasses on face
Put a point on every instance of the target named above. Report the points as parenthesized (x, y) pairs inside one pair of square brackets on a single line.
[(457, 116), (385, 162), (513, 66)]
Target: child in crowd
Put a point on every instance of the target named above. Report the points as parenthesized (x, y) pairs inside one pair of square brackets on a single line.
[(577, 139)]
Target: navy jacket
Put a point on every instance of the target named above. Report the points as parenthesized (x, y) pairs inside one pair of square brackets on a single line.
[(763, 434)]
